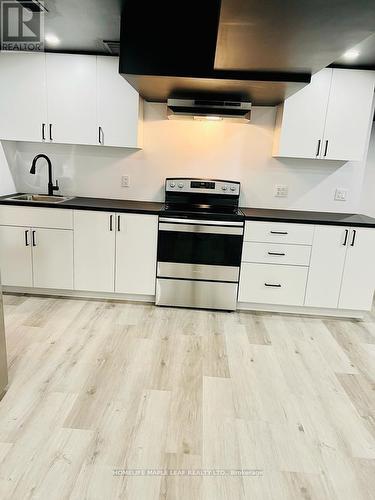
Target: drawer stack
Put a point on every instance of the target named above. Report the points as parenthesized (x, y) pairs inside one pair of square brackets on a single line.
[(275, 262)]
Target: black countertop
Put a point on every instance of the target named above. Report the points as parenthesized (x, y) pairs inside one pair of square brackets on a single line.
[(149, 207), (327, 218), (97, 204)]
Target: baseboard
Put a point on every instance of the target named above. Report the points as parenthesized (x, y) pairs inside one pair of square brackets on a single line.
[(310, 311), (79, 294)]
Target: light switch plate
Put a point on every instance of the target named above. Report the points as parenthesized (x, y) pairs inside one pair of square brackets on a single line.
[(341, 194), (281, 191), (125, 181)]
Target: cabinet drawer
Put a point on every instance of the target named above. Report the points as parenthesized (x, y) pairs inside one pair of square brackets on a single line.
[(289, 284), (276, 253), (279, 232), (55, 218)]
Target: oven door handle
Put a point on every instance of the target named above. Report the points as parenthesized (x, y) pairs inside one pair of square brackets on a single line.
[(201, 222), (200, 229)]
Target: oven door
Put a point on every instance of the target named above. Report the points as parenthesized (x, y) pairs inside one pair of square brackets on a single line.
[(199, 249)]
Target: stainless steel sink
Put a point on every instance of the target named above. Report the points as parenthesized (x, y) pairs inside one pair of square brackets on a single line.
[(39, 198)]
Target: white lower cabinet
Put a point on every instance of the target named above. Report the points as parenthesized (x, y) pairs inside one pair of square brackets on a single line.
[(52, 251), (15, 256), (272, 284), (342, 272), (136, 247), (37, 257), (94, 251), (115, 252)]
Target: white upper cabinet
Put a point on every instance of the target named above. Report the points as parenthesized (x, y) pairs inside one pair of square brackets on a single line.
[(328, 119), (300, 120), (68, 98), (118, 106), (23, 107), (71, 97), (349, 115)]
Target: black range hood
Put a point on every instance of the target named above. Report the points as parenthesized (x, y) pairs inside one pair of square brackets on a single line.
[(242, 50)]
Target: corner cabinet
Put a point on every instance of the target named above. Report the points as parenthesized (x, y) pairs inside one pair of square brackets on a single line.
[(115, 252), (69, 99), (329, 119)]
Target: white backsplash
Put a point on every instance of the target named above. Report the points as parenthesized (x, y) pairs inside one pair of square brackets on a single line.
[(192, 148)]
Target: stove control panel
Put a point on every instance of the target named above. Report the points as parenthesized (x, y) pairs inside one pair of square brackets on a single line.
[(209, 186)]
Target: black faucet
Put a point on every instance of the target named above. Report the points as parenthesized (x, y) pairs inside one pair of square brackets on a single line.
[(51, 187)]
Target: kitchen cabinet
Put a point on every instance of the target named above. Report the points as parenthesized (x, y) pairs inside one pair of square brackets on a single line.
[(115, 252), (71, 98), (15, 256), (36, 257), (328, 119), (94, 251), (23, 106), (136, 248), (52, 255), (68, 98), (119, 107), (341, 272)]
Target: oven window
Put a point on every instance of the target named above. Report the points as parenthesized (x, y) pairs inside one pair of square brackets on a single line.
[(198, 248)]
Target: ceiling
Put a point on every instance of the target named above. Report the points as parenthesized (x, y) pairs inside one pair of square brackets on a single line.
[(258, 50)]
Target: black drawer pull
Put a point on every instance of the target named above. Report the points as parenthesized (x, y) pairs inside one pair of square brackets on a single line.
[(27, 238), (346, 237), (276, 253), (272, 285), (353, 239), (279, 232)]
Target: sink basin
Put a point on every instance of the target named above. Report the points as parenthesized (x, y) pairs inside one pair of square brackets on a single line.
[(39, 198)]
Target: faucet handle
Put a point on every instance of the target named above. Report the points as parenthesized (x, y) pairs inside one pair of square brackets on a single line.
[(56, 187)]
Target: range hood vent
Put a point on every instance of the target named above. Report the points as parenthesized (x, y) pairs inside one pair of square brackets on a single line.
[(209, 109)]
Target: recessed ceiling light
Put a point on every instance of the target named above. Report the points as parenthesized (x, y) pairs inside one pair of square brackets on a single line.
[(52, 39), (352, 54)]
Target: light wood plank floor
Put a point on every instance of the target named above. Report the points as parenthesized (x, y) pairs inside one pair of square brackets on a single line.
[(97, 386)]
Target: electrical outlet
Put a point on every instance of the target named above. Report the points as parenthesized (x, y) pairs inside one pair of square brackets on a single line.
[(125, 181), (341, 194), (281, 191)]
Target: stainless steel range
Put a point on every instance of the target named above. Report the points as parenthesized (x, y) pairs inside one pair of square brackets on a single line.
[(200, 244)]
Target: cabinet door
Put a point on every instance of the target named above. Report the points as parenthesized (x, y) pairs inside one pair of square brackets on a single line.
[(358, 281), (326, 266), (118, 106), (94, 251), (300, 124), (136, 248), (349, 115), (15, 256), (52, 258), (23, 104), (71, 91)]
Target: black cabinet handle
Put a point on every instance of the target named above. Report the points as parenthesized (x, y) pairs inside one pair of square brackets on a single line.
[(27, 238), (279, 232), (43, 131), (273, 285), (111, 222), (325, 149), (33, 238), (276, 253), (118, 223), (100, 135), (353, 238), (346, 237), (318, 149), (50, 132)]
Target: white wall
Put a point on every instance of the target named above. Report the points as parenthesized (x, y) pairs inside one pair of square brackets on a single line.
[(7, 151), (368, 193), (194, 148)]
